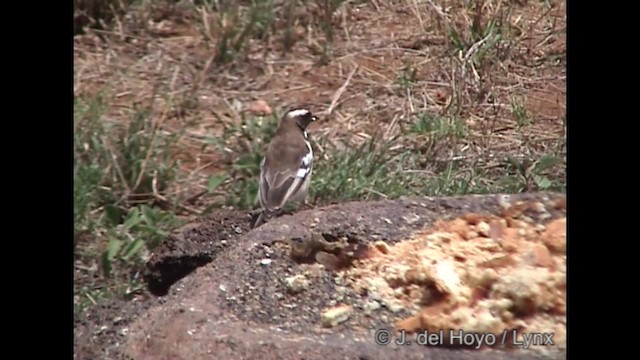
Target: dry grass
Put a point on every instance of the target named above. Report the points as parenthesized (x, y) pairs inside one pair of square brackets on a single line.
[(479, 84)]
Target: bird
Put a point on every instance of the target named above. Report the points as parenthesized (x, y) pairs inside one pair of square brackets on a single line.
[(287, 165)]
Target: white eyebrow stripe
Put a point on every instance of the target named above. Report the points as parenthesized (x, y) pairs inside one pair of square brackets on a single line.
[(298, 112)]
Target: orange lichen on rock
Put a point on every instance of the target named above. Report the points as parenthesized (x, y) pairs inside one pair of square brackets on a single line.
[(555, 236), (476, 273)]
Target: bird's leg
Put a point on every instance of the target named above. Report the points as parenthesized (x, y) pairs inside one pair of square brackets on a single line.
[(258, 220)]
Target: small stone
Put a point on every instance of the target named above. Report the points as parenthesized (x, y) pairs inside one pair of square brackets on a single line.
[(507, 316), (504, 201), (382, 247), (539, 255), (527, 219), (394, 306), (522, 287), (222, 288), (334, 316), (265, 262), (297, 283), (374, 296), (538, 207), (340, 290), (371, 306), (261, 108), (470, 235), (483, 229), (411, 219)]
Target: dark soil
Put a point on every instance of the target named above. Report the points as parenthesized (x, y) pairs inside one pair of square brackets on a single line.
[(193, 246), (238, 306)]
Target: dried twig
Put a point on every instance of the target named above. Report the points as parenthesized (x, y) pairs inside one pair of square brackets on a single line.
[(341, 90), (156, 128), (391, 126)]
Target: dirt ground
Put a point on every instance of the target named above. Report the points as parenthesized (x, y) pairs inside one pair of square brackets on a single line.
[(389, 62), (240, 302)]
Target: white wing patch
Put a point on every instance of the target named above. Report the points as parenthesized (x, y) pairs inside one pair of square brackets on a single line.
[(305, 165), (302, 172), (306, 160)]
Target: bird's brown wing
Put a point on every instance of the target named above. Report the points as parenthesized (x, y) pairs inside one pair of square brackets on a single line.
[(279, 174)]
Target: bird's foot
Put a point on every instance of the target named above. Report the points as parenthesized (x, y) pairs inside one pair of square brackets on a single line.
[(305, 205), (285, 212)]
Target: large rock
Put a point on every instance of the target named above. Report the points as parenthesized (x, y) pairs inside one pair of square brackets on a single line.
[(250, 299)]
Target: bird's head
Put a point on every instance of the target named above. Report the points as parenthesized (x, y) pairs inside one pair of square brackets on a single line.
[(302, 117)]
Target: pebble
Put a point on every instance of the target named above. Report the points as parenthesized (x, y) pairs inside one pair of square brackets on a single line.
[(371, 306), (483, 229), (297, 283), (411, 219), (336, 315), (504, 201)]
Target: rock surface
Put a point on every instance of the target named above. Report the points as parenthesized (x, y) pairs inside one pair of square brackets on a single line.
[(236, 305)]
